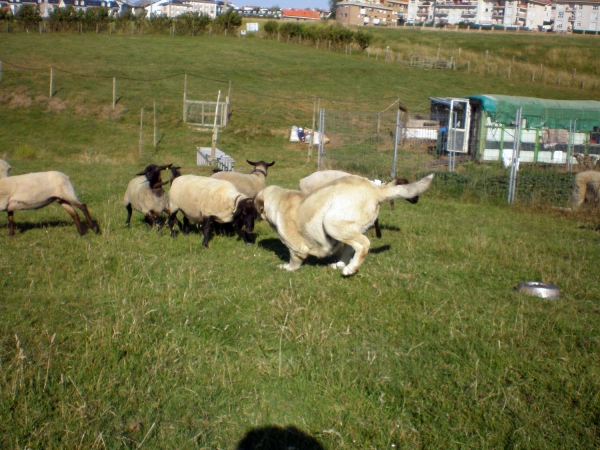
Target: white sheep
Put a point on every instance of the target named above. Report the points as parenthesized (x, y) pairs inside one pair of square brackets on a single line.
[(248, 184), (202, 199), (586, 182), (36, 190), (146, 195)]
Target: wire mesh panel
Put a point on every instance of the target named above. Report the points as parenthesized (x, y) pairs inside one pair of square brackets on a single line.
[(202, 114), (360, 143)]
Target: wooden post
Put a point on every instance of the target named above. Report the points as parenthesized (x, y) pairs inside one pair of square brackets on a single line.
[(533, 76), (213, 147), (51, 82), (132, 27), (141, 131), (114, 92), (185, 98), (468, 66), (486, 54), (509, 72), (154, 124), (312, 137)]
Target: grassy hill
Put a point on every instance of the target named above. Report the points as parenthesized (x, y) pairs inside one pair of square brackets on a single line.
[(131, 339)]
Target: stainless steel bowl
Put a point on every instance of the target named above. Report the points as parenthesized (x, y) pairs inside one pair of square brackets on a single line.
[(539, 289)]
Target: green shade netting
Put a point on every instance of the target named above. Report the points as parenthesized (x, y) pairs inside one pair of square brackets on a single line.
[(579, 115)]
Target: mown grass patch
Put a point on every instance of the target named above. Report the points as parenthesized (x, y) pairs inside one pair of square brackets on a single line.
[(130, 338)]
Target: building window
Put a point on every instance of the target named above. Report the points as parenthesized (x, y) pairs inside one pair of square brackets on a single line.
[(561, 14), (578, 25), (595, 8), (559, 26)]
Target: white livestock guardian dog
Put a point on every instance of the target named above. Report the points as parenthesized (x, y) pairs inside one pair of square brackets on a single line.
[(331, 220)]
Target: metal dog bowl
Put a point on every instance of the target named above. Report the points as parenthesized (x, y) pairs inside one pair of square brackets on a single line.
[(544, 290)]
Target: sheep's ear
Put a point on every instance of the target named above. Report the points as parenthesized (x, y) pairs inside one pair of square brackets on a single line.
[(141, 173), (269, 165), (251, 162), (168, 166)]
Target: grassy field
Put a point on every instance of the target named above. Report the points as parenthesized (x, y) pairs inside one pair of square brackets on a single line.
[(131, 339)]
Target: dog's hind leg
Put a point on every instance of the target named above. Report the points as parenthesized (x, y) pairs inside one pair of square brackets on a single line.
[(361, 245), (343, 253)]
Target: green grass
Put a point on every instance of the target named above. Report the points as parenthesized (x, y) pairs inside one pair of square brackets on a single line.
[(130, 338)]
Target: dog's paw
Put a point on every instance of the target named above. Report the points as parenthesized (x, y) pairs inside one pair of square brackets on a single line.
[(338, 265), (285, 267), (348, 271)]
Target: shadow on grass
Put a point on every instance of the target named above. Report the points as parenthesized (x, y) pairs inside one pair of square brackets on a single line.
[(282, 252), (277, 438), (22, 227)]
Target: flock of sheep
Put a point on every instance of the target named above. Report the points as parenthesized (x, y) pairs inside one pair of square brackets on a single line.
[(328, 216)]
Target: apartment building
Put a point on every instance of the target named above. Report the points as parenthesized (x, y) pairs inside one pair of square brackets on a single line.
[(174, 8), (581, 16), (355, 12)]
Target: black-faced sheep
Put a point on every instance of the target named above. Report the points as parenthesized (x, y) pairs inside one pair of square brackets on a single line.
[(587, 182), (36, 190), (248, 184), (202, 199), (146, 195), (319, 179)]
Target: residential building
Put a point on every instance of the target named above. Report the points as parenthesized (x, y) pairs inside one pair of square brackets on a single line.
[(174, 8), (355, 12), (114, 7), (578, 16)]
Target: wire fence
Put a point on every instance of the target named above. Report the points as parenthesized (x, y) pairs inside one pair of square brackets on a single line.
[(536, 169)]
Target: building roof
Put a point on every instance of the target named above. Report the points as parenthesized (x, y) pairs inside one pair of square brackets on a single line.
[(301, 13)]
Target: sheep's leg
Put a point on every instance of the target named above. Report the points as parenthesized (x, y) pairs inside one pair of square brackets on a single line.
[(377, 229), (11, 224), (206, 221), (88, 218), (149, 219), (186, 225), (129, 212), (156, 222), (171, 220), (68, 208)]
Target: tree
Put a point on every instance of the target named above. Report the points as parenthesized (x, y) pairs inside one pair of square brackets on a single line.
[(229, 20), (28, 16), (333, 7)]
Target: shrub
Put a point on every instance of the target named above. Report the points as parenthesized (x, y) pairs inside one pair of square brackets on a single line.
[(363, 39), (28, 16), (271, 28), (228, 21)]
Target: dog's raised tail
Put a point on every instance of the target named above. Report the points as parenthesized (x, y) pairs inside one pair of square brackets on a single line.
[(391, 192)]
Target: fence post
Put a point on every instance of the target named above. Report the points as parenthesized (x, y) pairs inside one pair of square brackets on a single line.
[(51, 81), (154, 124), (396, 134), (141, 130), (185, 98), (321, 138), (312, 137), (114, 92), (512, 180), (213, 147)]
